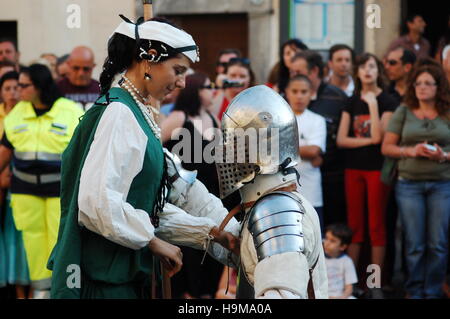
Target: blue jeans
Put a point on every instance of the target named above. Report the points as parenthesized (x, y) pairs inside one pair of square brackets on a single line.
[(424, 209)]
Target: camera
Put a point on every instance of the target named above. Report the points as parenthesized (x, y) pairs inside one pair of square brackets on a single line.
[(231, 84)]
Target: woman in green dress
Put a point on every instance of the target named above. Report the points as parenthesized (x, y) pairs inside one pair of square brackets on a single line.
[(115, 179)]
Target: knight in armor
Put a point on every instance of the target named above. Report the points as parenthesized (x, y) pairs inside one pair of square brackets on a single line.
[(281, 253)]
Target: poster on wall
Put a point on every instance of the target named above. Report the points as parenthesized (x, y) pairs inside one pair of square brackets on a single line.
[(322, 23)]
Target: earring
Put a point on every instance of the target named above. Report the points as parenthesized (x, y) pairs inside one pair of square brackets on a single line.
[(147, 76)]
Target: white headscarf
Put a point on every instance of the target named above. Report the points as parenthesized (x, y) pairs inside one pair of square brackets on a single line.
[(177, 39)]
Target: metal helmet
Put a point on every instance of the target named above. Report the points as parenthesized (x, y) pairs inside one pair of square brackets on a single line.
[(262, 112)]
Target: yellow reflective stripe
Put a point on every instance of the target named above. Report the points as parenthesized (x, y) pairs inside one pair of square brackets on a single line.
[(41, 156)]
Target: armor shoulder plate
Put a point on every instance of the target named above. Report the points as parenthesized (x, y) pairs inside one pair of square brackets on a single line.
[(275, 222)]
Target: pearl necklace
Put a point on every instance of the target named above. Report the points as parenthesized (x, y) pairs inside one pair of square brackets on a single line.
[(145, 111), (135, 89)]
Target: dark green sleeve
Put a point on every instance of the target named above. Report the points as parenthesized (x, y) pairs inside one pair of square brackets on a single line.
[(398, 118)]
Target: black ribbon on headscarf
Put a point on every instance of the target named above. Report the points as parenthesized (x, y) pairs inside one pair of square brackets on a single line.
[(136, 25)]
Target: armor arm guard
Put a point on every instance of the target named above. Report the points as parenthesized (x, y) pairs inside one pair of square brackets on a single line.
[(275, 222)]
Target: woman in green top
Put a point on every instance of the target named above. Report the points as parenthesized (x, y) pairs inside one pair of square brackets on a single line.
[(419, 136), (114, 175)]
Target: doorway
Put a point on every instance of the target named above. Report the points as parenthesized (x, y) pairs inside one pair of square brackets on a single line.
[(436, 14), (213, 33)]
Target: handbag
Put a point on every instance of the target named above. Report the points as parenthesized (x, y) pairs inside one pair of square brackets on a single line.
[(389, 171)]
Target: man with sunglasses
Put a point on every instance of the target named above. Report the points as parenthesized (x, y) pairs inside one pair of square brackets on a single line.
[(399, 63), (78, 84)]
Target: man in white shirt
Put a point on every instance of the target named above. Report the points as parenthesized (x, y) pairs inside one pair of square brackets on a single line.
[(341, 65)]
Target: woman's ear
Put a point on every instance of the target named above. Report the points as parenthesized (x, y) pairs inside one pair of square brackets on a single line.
[(151, 55)]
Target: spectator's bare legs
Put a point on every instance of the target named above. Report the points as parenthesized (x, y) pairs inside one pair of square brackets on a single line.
[(353, 252), (378, 254)]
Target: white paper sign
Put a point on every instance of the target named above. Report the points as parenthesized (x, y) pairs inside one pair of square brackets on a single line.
[(322, 23)]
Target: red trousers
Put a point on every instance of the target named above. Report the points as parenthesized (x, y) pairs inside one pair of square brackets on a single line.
[(362, 186)]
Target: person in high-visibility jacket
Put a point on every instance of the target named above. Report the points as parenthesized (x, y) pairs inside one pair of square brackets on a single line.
[(36, 133)]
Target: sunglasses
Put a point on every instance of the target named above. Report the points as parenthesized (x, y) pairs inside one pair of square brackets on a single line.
[(24, 85), (222, 64), (242, 60), (210, 86), (392, 62)]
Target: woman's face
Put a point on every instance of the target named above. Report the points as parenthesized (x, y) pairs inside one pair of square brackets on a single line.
[(206, 95), (368, 72), (167, 76), (288, 53), (27, 90), (10, 92), (299, 95), (425, 87), (239, 74)]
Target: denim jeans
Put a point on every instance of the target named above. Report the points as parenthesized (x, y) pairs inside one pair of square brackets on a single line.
[(424, 209)]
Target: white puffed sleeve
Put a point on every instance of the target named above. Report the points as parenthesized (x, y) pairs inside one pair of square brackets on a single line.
[(115, 157), (190, 216)]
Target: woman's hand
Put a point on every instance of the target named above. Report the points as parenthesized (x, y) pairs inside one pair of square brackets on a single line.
[(226, 239), (437, 155), (419, 150), (370, 98), (170, 255)]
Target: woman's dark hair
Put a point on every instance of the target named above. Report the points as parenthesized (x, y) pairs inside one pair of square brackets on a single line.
[(189, 100), (12, 75), (442, 92), (42, 79), (341, 231), (361, 60), (123, 51), (283, 74), (246, 65)]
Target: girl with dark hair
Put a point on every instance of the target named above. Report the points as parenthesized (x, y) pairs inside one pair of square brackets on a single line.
[(418, 135), (116, 180), (288, 50), (360, 132), (13, 264), (237, 70), (37, 131)]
